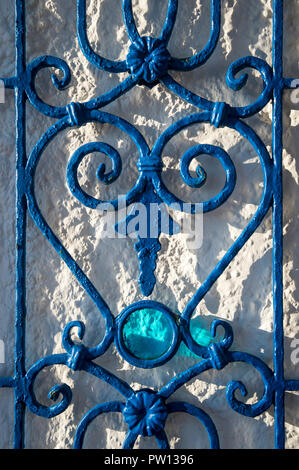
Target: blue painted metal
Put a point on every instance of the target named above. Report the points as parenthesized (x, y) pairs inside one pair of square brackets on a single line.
[(148, 63)]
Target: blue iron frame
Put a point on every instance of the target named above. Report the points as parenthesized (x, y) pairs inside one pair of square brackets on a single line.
[(148, 62)]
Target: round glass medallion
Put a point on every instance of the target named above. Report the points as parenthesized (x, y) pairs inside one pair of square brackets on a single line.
[(148, 333)]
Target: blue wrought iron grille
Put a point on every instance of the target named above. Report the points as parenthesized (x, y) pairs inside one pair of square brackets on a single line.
[(148, 62)]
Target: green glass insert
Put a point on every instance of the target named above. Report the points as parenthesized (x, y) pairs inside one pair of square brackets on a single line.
[(200, 332), (147, 333)]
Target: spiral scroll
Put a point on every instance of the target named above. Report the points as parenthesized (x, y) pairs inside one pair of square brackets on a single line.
[(148, 62)]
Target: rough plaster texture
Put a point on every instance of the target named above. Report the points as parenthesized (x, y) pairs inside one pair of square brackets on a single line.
[(242, 295)]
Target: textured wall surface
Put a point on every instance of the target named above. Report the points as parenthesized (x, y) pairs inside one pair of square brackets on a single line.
[(242, 295)]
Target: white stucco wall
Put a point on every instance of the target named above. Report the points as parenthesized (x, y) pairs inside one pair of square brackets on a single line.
[(242, 295)]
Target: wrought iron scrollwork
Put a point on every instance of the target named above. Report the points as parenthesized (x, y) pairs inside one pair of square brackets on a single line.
[(148, 62)]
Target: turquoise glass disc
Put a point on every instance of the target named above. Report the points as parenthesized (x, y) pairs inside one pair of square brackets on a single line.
[(147, 333), (200, 332), (201, 335)]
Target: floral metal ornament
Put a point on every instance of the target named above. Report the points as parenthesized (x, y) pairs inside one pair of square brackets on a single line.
[(148, 62), (145, 413), (148, 58)]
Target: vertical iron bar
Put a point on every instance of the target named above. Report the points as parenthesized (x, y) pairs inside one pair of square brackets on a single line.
[(21, 208), (21, 215), (278, 340)]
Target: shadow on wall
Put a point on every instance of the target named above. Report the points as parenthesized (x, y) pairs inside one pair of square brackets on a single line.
[(60, 299)]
